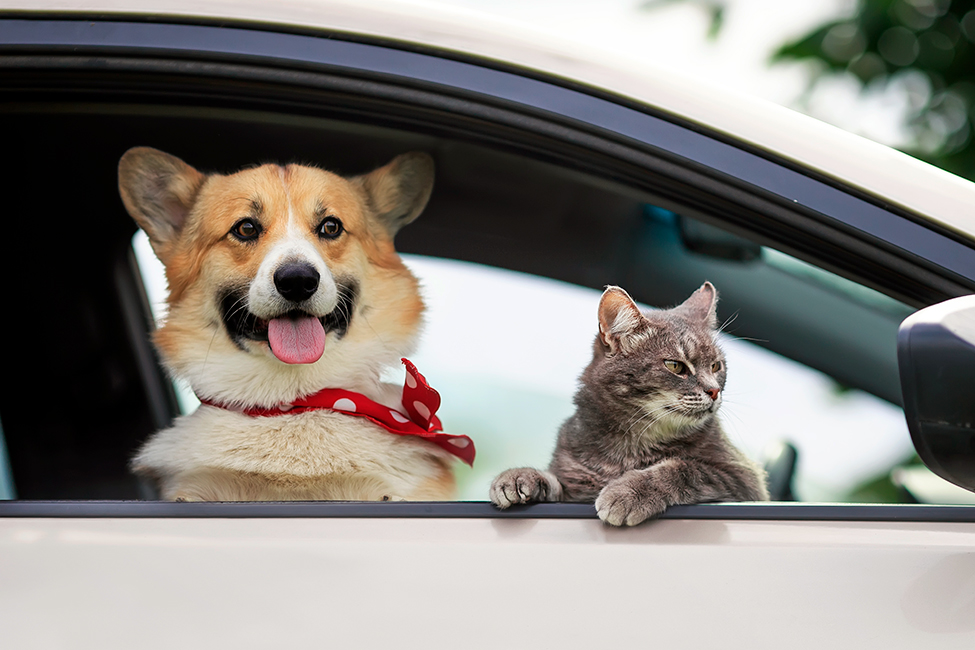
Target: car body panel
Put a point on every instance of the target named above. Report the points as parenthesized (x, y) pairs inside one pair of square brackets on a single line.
[(899, 179), (484, 583)]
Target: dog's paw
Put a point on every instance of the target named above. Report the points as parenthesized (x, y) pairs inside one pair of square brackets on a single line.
[(624, 502), (524, 485)]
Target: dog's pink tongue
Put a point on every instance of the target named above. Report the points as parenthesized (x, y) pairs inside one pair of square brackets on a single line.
[(296, 340)]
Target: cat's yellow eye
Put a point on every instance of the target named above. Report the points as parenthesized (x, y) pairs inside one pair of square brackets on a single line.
[(675, 367), (716, 366)]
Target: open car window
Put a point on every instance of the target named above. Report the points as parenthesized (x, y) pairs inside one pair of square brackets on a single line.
[(505, 350), (545, 193)]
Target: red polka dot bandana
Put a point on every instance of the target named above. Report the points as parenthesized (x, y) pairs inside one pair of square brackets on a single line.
[(420, 401)]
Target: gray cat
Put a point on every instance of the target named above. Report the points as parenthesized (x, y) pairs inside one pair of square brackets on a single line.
[(645, 434)]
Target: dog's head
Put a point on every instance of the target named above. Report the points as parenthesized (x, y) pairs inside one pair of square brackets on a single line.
[(282, 280)]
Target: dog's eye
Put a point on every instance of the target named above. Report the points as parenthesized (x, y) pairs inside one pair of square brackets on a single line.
[(329, 228), (245, 230), (675, 367)]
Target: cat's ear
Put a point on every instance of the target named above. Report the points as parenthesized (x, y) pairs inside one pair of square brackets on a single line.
[(702, 306), (620, 320)]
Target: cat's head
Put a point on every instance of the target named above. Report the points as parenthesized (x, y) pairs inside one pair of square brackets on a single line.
[(666, 364)]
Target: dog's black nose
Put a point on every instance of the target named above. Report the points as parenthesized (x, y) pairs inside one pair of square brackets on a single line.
[(296, 281)]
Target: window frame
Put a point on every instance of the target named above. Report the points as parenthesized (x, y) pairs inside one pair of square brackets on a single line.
[(764, 197), (772, 200)]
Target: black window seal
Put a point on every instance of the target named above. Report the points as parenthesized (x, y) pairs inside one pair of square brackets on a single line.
[(477, 510)]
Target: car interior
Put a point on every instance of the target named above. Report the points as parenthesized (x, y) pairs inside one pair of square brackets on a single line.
[(88, 387)]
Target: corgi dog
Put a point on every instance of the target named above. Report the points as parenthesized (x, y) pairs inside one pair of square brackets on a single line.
[(283, 281)]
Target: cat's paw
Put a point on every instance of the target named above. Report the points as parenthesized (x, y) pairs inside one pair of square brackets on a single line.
[(524, 485), (623, 504)]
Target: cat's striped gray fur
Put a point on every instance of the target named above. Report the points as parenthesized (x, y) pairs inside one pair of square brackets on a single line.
[(645, 434)]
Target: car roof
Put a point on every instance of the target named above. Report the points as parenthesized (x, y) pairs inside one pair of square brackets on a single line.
[(892, 176)]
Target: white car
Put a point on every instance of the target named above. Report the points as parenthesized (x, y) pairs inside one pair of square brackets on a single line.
[(559, 171)]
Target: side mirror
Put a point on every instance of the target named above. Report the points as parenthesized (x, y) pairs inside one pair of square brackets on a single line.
[(936, 355)]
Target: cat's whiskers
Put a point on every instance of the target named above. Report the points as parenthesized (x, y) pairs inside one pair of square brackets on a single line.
[(634, 434), (639, 414), (725, 410), (731, 319), (731, 337), (644, 414), (651, 407), (665, 421)]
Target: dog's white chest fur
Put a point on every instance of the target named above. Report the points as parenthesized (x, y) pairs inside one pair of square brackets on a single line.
[(308, 455)]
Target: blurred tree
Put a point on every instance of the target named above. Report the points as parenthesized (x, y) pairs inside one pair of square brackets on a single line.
[(714, 8), (923, 48)]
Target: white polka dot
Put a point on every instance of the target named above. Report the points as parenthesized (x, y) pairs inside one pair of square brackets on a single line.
[(344, 404), (399, 417), (410, 381), (285, 407), (460, 443), (422, 409)]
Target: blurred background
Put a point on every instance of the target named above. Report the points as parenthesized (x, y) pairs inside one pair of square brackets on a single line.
[(901, 72)]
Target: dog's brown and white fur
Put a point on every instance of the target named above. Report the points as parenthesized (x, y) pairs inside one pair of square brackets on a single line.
[(234, 246)]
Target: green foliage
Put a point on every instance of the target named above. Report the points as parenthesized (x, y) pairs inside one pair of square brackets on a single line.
[(926, 46), (714, 8), (923, 48)]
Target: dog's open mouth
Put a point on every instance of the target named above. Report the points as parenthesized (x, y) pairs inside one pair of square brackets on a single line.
[(294, 337)]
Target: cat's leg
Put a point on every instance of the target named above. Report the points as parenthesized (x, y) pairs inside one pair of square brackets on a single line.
[(524, 485), (641, 494)]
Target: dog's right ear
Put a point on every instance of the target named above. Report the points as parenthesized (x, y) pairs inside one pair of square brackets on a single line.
[(158, 190)]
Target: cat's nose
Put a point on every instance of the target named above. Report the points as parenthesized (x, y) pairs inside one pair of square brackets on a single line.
[(713, 393)]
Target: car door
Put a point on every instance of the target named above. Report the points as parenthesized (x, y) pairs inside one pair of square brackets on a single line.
[(539, 176)]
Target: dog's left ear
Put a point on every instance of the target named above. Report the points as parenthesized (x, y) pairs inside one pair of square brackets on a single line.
[(158, 190), (399, 191)]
